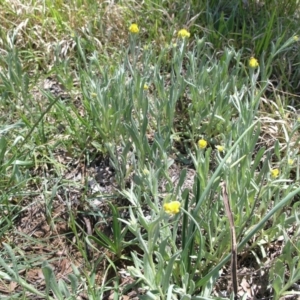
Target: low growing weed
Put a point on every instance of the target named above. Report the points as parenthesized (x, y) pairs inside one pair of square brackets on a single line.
[(192, 124)]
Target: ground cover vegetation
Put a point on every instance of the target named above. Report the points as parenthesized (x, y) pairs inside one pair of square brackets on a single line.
[(149, 149)]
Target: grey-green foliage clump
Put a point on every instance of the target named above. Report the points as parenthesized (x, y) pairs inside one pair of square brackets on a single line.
[(198, 96)]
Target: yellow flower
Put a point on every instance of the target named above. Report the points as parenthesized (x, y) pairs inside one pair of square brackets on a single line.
[(172, 208), (290, 161), (133, 28), (183, 33), (274, 173), (146, 87), (202, 144), (146, 172), (220, 148), (253, 63), (93, 94), (296, 38)]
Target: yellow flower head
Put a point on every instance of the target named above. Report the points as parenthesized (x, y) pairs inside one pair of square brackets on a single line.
[(220, 148), (202, 144), (253, 63), (172, 208), (296, 38), (274, 173), (146, 172), (290, 161), (183, 33), (133, 28), (146, 87)]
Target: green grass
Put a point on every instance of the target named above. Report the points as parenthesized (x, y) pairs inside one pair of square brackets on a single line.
[(100, 128)]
